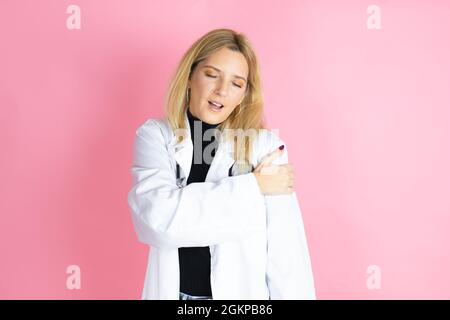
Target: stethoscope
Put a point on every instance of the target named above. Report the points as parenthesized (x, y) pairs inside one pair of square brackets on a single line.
[(180, 180)]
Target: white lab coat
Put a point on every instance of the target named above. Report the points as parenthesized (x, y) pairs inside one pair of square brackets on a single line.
[(257, 243)]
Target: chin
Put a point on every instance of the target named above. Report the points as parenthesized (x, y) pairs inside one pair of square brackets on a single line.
[(210, 118), (213, 120)]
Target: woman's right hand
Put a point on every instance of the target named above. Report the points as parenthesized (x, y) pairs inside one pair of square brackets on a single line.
[(274, 179)]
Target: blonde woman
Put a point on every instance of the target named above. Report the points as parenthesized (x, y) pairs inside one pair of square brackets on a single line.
[(212, 191)]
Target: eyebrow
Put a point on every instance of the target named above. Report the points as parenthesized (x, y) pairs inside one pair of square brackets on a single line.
[(217, 69)]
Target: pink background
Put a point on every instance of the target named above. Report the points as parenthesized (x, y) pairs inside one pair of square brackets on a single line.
[(365, 114)]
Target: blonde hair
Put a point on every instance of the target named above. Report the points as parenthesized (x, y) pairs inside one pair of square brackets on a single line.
[(246, 116)]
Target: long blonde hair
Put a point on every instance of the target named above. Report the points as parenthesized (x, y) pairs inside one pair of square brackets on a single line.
[(247, 116)]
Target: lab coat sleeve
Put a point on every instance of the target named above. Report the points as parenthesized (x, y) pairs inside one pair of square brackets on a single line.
[(289, 273), (199, 214)]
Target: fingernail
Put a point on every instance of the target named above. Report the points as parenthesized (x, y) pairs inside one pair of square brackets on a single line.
[(281, 147)]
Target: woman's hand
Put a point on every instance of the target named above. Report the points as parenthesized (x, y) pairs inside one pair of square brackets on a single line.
[(274, 179)]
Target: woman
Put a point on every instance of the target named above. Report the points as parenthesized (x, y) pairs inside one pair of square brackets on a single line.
[(213, 190)]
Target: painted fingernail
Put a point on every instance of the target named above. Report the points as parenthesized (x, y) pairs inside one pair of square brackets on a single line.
[(281, 147)]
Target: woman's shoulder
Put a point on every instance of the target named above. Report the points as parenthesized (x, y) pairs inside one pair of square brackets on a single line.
[(268, 136), (154, 127)]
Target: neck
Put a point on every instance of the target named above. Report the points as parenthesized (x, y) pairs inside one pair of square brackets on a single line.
[(198, 129), (204, 124)]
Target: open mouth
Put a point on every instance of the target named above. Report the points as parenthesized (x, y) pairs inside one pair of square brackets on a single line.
[(215, 106)]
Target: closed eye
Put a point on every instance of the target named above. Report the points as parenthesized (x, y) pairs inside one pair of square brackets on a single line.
[(211, 76)]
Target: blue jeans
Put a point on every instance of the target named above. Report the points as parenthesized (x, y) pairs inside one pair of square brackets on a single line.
[(184, 296)]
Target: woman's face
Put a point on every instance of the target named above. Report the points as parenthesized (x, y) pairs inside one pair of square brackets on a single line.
[(221, 78)]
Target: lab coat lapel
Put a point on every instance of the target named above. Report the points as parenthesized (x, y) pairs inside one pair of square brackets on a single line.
[(182, 153), (222, 161)]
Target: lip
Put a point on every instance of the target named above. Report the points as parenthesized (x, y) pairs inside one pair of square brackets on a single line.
[(214, 109), (217, 103)]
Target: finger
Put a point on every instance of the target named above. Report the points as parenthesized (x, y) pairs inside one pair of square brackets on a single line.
[(258, 167), (291, 175), (286, 169), (263, 163), (269, 169), (272, 156)]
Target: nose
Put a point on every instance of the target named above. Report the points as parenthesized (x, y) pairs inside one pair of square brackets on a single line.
[(222, 89)]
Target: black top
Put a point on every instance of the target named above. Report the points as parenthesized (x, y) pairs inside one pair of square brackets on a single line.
[(195, 263)]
